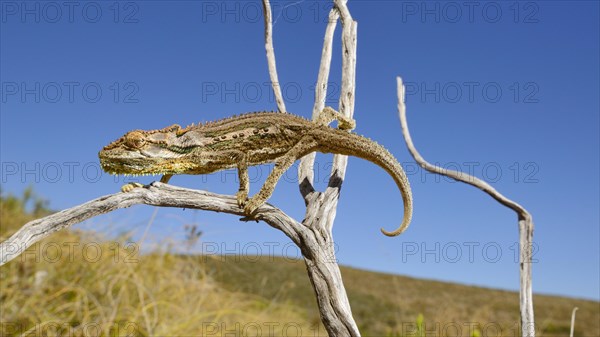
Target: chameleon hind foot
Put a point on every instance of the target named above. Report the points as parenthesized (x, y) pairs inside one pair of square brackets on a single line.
[(249, 205), (252, 205)]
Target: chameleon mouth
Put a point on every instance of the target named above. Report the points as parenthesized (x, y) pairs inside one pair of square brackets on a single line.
[(133, 172), (144, 166), (128, 166), (115, 168)]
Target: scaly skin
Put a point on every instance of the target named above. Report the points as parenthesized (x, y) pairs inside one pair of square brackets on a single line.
[(246, 140)]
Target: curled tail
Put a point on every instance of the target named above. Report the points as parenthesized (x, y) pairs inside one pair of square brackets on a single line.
[(361, 147)]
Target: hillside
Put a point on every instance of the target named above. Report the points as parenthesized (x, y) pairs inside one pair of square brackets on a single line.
[(123, 293), (383, 303)]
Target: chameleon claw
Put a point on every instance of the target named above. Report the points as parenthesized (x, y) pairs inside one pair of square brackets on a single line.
[(251, 206), (347, 124), (130, 187)]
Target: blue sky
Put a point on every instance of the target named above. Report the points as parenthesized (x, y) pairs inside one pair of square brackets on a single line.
[(506, 90)]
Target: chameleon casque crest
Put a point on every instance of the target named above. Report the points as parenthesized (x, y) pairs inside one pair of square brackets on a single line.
[(247, 140)]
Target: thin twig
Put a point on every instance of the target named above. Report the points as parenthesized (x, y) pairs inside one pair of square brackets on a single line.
[(325, 65), (271, 56), (573, 321), (524, 218), (346, 104)]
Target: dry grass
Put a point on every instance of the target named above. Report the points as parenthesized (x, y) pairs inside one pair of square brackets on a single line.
[(78, 284)]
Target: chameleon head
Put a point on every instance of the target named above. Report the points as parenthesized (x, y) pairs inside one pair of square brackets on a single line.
[(141, 152)]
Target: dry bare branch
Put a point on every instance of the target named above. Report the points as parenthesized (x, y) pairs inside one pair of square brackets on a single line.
[(524, 218), (271, 56), (305, 169), (321, 207), (325, 275), (324, 67), (156, 194)]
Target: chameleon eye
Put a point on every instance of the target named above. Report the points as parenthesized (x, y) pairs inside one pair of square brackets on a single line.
[(135, 139)]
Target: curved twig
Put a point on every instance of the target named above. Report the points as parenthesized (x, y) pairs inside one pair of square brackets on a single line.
[(524, 218), (573, 321), (271, 56), (156, 194)]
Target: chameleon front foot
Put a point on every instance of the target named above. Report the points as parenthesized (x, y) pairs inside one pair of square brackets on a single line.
[(130, 187), (242, 198)]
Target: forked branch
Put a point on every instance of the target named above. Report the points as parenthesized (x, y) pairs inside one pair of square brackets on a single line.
[(524, 218), (317, 246)]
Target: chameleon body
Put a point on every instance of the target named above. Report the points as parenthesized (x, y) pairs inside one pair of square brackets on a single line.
[(247, 140)]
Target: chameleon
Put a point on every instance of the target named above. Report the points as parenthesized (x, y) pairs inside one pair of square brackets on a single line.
[(246, 140)]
